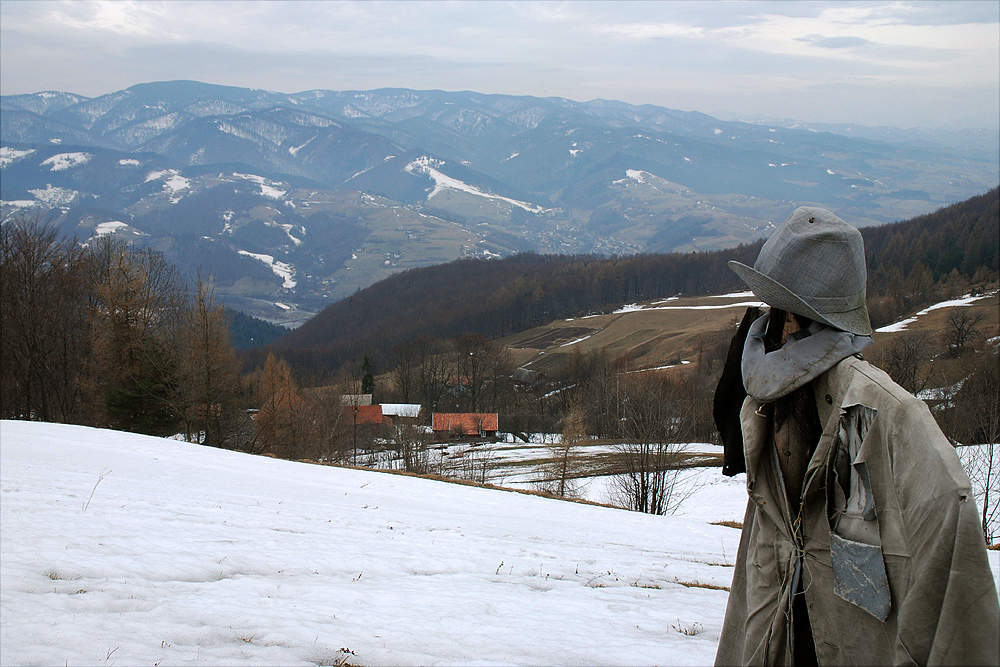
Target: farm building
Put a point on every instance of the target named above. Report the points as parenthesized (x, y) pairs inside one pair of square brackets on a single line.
[(401, 413), (482, 424), (363, 414)]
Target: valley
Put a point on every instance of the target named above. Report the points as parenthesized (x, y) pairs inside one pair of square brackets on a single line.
[(295, 201)]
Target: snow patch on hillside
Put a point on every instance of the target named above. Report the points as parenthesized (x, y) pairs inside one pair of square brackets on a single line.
[(268, 188), (578, 340), (429, 167), (64, 161), (109, 227), (288, 231), (281, 269), (175, 184), (294, 150), (632, 307), (129, 163), (8, 155), (966, 300), (51, 196)]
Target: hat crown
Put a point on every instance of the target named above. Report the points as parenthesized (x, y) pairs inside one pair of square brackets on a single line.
[(815, 254), (813, 265)]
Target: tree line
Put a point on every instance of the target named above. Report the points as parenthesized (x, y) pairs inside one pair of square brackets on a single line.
[(910, 264), (108, 334)]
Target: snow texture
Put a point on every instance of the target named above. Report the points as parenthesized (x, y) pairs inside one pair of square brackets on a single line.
[(401, 409), (427, 166), (52, 196), (109, 227), (283, 270), (138, 550), (8, 155), (127, 549), (267, 188), (632, 307), (64, 161)]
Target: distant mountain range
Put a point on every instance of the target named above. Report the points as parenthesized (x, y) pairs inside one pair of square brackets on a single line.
[(294, 201)]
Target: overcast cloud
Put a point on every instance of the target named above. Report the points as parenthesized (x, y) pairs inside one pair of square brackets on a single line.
[(931, 64)]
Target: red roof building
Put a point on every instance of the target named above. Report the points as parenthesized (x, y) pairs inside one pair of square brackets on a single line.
[(363, 414), (465, 423)]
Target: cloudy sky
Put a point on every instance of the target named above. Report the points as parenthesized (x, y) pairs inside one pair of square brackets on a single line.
[(904, 63)]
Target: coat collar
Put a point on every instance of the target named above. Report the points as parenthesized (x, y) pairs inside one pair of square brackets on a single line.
[(797, 363)]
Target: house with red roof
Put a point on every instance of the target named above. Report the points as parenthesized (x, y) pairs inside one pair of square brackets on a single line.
[(363, 414), (480, 424)]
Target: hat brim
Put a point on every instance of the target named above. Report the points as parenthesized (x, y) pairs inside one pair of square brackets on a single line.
[(777, 295)]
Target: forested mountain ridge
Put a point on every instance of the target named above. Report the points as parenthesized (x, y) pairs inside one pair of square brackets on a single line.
[(298, 200), (907, 262)]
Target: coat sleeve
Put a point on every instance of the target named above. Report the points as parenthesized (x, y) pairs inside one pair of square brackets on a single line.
[(950, 614)]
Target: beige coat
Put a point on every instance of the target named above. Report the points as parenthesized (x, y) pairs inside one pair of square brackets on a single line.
[(903, 577)]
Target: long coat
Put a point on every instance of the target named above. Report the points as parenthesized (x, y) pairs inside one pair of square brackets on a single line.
[(887, 542)]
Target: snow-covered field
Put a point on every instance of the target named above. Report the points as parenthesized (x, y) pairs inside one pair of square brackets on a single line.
[(125, 549)]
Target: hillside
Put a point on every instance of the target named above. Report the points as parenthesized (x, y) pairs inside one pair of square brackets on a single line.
[(680, 331), (909, 263), (298, 200), (150, 551)]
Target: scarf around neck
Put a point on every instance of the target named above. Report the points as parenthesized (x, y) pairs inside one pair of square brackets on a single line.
[(805, 356)]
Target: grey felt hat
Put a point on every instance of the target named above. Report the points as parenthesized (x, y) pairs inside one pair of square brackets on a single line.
[(814, 266)]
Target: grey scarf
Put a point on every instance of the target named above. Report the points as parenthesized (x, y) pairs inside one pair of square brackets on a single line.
[(805, 356)]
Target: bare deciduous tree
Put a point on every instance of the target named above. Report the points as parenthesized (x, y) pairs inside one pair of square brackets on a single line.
[(560, 473), (43, 315), (906, 360), (325, 406), (404, 375), (209, 379), (650, 458), (412, 447), (962, 326), (433, 370), (976, 420), (278, 409)]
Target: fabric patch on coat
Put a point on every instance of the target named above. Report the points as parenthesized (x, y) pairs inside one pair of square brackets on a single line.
[(851, 472), (859, 575)]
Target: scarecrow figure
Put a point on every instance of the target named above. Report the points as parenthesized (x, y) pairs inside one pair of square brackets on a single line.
[(861, 543)]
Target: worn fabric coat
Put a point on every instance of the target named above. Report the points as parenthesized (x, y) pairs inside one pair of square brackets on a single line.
[(888, 542)]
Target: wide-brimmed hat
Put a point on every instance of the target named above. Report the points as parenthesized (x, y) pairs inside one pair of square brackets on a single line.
[(814, 266)]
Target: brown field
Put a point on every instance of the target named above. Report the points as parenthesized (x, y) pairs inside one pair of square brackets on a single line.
[(690, 329)]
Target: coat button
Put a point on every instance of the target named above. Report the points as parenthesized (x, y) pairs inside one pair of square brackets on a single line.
[(829, 399)]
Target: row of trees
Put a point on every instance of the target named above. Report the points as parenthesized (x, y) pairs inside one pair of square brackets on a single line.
[(910, 264), (111, 335), (108, 334)]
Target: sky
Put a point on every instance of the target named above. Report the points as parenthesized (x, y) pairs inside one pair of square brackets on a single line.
[(901, 63)]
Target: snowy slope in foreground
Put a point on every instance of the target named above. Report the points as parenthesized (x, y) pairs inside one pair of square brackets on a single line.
[(118, 548)]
